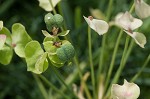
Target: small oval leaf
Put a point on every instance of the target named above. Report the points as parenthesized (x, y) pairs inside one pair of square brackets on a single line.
[(64, 33), (6, 54), (20, 38), (2, 40), (33, 52)]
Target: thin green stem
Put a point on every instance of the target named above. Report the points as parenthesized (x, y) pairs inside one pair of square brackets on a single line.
[(59, 77), (109, 10), (91, 62), (100, 66), (82, 80), (114, 53), (53, 87), (132, 8), (124, 62), (102, 50), (41, 87), (61, 80), (140, 71), (129, 51), (121, 66), (54, 11), (113, 60)]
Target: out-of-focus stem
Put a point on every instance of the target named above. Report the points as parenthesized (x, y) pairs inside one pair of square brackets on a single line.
[(140, 71), (91, 62)]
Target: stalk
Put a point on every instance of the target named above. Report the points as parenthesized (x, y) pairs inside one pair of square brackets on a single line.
[(91, 62)]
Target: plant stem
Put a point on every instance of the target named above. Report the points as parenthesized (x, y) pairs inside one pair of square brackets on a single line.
[(91, 62), (143, 66), (82, 80), (113, 60), (41, 87), (115, 51), (53, 87), (61, 79), (121, 66), (109, 10), (100, 66), (124, 62), (54, 11), (132, 7)]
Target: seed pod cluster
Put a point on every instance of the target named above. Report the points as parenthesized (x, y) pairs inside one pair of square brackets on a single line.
[(53, 21)]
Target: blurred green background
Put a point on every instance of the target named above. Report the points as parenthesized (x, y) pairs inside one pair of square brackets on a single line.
[(17, 83)]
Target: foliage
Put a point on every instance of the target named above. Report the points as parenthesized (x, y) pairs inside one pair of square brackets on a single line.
[(15, 76)]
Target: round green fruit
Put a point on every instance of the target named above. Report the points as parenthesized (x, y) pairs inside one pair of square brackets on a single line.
[(59, 20), (49, 19), (65, 52)]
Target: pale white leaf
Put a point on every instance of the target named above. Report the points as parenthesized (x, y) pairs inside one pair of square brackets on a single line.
[(125, 91), (142, 9), (45, 4), (99, 26), (1, 25), (2, 40), (128, 22), (139, 38)]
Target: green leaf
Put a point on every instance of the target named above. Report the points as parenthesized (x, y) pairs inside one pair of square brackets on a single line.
[(55, 60), (6, 54), (64, 33), (47, 34), (2, 40), (1, 25), (8, 35), (33, 54), (54, 38), (20, 38), (42, 63), (49, 47)]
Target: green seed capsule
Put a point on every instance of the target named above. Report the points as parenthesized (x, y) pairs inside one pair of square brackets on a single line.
[(49, 19), (59, 20), (65, 52)]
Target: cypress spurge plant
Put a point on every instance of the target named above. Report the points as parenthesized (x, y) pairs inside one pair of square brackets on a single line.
[(56, 52)]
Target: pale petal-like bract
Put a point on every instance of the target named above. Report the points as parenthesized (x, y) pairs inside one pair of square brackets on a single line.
[(139, 38), (125, 91), (45, 4), (142, 9), (100, 26), (1, 25), (128, 22), (2, 40)]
